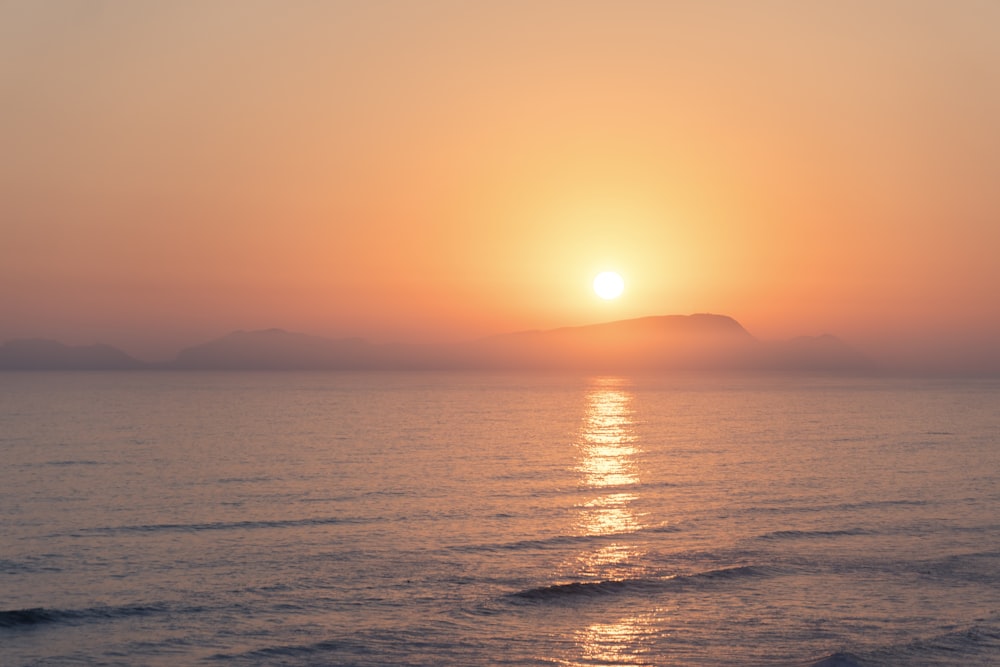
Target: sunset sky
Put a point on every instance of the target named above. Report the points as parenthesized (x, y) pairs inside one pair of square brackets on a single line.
[(436, 171)]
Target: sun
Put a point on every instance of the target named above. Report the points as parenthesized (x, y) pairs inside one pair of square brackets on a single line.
[(609, 285)]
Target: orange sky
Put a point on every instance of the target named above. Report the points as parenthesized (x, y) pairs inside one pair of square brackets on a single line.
[(171, 171)]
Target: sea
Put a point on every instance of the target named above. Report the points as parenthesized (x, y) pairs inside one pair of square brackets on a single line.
[(382, 518)]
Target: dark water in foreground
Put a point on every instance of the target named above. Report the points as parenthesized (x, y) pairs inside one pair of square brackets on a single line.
[(427, 519)]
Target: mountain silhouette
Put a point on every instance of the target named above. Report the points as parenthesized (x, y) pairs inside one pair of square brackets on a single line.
[(666, 342), (44, 354), (700, 341)]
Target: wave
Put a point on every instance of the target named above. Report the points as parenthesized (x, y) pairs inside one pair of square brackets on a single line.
[(32, 565), (13, 618), (243, 480), (16, 617), (977, 644), (519, 545), (270, 653), (879, 504), (563, 540), (839, 659), (223, 525), (85, 462), (776, 507), (977, 567), (588, 588), (639, 585), (807, 534)]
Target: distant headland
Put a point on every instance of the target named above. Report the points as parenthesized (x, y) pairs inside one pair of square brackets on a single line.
[(667, 342)]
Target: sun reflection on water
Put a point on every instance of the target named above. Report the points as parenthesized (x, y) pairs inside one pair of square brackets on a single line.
[(609, 468), (608, 459), (623, 642), (609, 514)]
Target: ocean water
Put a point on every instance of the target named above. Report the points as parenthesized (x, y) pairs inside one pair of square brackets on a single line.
[(498, 519)]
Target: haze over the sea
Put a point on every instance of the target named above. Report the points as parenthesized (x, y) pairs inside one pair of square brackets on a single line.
[(666, 343), (440, 171)]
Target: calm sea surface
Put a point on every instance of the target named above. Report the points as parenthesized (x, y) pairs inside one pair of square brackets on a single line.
[(469, 519)]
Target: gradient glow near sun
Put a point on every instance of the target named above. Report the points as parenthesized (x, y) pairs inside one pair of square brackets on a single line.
[(609, 285)]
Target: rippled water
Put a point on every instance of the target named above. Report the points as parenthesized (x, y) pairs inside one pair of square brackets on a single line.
[(426, 519)]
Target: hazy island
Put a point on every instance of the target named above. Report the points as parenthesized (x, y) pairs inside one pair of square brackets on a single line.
[(666, 342)]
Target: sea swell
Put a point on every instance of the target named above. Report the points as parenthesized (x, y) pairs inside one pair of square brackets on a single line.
[(639, 585), (221, 525), (807, 534), (977, 644), (14, 618), (558, 541)]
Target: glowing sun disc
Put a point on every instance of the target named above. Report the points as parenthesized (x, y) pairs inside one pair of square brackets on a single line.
[(609, 285)]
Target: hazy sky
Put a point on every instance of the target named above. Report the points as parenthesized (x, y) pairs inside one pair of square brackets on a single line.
[(171, 171)]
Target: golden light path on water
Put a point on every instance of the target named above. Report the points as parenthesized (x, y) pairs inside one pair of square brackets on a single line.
[(609, 465), (608, 460), (615, 643)]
